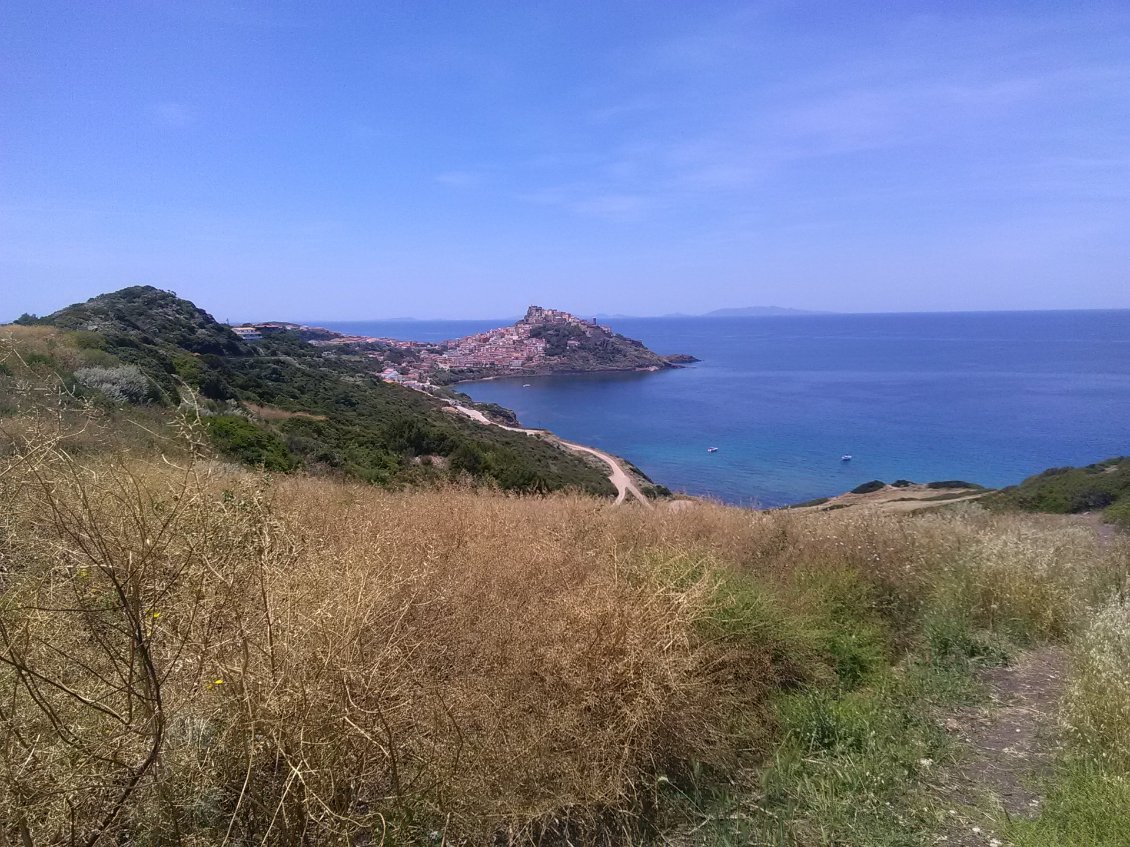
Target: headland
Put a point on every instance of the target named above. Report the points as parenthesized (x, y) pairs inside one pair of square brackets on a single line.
[(543, 342)]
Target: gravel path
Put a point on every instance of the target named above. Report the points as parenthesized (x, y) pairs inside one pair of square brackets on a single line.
[(1012, 741)]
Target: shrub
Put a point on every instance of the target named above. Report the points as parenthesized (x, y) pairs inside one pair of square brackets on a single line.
[(1119, 513), (954, 483), (317, 663), (239, 438), (123, 384), (868, 487)]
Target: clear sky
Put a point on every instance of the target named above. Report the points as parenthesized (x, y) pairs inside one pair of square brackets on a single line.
[(368, 159)]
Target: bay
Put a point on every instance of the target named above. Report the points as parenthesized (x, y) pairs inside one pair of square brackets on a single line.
[(986, 397)]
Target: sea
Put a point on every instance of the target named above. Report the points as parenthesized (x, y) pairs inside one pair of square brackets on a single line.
[(986, 397)]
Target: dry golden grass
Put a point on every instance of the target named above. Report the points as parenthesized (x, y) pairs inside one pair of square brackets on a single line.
[(195, 654), (41, 350)]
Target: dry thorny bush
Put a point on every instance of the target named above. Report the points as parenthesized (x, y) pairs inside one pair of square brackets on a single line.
[(192, 653)]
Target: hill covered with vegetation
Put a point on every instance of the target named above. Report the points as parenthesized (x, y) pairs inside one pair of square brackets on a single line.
[(1103, 486), (280, 403)]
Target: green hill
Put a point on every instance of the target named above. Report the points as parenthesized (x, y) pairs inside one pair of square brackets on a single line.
[(142, 314), (285, 404)]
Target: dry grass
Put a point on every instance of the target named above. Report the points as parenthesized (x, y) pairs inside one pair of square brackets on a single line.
[(195, 654), (210, 654), (1098, 707), (273, 413)]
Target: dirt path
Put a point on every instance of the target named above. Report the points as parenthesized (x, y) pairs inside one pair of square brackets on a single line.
[(617, 475), (1012, 740)]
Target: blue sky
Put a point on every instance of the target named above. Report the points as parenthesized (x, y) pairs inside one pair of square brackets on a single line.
[(364, 160)]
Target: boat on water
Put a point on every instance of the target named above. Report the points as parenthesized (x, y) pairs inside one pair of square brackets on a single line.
[(711, 449), (846, 457), (526, 385)]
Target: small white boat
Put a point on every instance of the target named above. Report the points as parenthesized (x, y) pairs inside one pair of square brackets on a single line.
[(527, 385), (846, 457), (711, 449)]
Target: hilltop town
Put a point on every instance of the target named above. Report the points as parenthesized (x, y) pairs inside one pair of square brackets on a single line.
[(545, 341)]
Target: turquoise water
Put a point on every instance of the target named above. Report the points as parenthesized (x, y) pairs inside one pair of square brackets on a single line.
[(986, 397)]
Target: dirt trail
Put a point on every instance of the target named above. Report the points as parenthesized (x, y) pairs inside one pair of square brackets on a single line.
[(1012, 741), (617, 475)]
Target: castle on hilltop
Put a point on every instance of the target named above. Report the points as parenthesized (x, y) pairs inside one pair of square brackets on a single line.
[(540, 315)]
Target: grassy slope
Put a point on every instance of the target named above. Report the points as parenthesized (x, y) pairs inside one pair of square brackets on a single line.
[(340, 662), (350, 422), (1101, 486)]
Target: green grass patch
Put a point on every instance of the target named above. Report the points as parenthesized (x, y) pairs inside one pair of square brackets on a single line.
[(952, 639), (857, 748), (1088, 806), (852, 767)]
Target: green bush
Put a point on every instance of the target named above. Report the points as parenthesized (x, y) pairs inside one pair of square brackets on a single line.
[(1119, 513), (239, 438), (849, 629), (35, 358), (86, 340), (868, 487)]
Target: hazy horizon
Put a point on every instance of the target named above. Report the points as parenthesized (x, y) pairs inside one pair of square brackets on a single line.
[(514, 315), (448, 162), (618, 315)]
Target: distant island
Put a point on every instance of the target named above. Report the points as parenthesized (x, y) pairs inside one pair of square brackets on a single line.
[(544, 341), (760, 312)]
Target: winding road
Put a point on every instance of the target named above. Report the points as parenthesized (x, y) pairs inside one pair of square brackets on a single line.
[(617, 476)]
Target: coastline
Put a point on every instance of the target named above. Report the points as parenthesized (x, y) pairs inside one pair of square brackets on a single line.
[(571, 372)]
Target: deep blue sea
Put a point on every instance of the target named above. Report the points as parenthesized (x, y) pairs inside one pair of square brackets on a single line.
[(990, 397)]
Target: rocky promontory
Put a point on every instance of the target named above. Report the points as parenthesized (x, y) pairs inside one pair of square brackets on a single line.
[(544, 341)]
